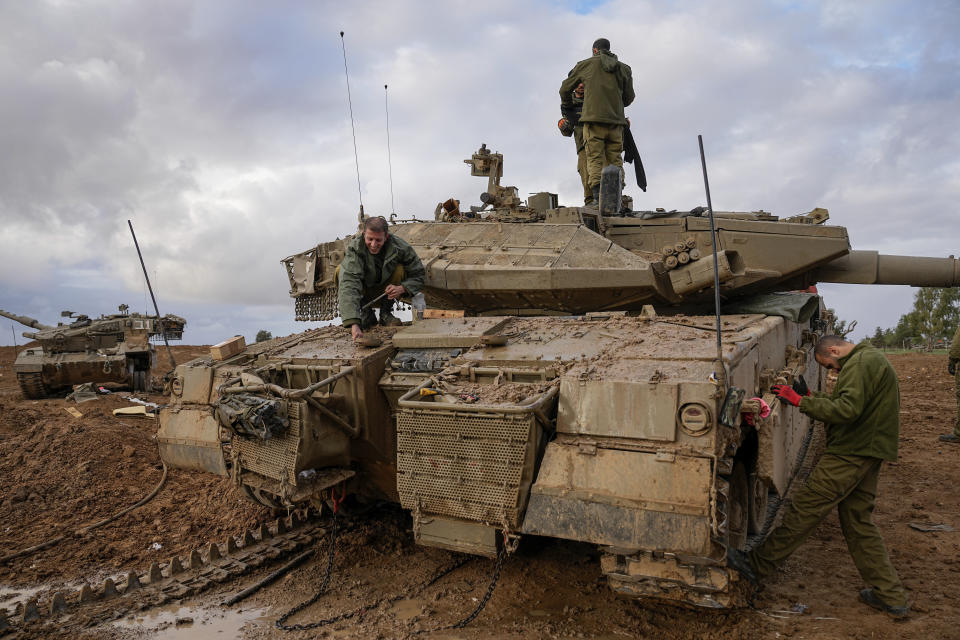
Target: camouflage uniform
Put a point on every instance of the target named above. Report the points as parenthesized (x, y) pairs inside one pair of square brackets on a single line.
[(955, 359), (862, 419), (608, 88), (364, 276)]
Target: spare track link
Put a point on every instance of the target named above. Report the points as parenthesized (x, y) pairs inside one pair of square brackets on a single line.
[(33, 386), (57, 613)]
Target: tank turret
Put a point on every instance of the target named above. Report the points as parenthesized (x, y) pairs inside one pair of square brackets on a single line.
[(112, 348)]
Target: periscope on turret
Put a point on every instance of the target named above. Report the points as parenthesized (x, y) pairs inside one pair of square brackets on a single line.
[(564, 381)]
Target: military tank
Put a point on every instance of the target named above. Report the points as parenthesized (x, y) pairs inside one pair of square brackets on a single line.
[(569, 379), (112, 348)]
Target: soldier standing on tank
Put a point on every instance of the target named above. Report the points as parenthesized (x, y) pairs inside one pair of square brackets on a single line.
[(608, 88), (862, 428), (376, 263), (954, 358)]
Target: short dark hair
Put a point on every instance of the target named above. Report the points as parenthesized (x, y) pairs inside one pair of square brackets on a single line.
[(377, 224), (601, 44), (825, 343)]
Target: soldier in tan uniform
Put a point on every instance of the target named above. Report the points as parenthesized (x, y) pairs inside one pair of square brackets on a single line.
[(952, 368)]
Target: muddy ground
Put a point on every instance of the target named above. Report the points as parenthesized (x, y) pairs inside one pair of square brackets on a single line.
[(59, 472)]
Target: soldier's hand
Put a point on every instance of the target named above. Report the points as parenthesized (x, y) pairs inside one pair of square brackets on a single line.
[(952, 368), (787, 394), (394, 291), (357, 332)]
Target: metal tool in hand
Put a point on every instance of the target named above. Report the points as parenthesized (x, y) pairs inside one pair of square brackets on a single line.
[(378, 298)]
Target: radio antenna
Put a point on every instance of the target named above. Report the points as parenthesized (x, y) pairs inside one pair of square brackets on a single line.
[(173, 364), (386, 108), (721, 374), (356, 157)]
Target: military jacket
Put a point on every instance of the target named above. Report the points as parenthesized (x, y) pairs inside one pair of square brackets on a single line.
[(862, 415), (608, 88), (359, 273), (954, 354)]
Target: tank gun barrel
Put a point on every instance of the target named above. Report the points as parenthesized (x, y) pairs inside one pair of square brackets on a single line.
[(25, 320), (871, 267)]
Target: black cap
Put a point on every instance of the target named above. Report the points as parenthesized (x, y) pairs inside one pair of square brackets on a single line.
[(601, 44)]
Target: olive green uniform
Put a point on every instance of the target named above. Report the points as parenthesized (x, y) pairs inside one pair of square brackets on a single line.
[(862, 423), (364, 276), (955, 358), (608, 88)]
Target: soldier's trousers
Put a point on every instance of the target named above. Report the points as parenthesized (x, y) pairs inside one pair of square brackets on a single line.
[(850, 484), (604, 146), (582, 164)]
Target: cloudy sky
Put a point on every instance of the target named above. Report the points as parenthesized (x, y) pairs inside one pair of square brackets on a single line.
[(222, 130)]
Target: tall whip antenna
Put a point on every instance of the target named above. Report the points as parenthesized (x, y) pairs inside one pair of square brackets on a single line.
[(721, 373), (352, 129), (386, 108), (173, 363)]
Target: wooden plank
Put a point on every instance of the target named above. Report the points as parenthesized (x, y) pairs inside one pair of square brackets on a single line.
[(228, 348)]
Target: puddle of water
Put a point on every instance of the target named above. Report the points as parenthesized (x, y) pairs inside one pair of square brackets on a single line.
[(186, 623), (10, 597)]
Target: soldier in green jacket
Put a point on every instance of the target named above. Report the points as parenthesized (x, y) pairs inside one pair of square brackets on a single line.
[(862, 427), (608, 88), (376, 263), (952, 369)]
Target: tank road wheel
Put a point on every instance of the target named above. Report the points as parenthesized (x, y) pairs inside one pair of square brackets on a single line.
[(33, 386), (737, 507), (759, 492)]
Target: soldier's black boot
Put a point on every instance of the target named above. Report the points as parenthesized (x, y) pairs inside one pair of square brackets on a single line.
[(387, 318), (740, 562), (869, 597), (596, 196), (367, 319)]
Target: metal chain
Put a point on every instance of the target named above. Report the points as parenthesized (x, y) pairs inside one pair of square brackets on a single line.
[(501, 555), (281, 621)]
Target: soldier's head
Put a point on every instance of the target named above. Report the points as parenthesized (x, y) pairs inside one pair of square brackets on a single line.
[(579, 90), (375, 233), (829, 351), (600, 44)]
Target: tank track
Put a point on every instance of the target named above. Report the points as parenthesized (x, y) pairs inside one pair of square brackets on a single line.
[(57, 614), (33, 386)]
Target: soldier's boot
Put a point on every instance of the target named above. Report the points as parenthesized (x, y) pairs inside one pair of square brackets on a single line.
[(595, 196), (740, 562), (387, 318), (869, 597), (950, 437), (367, 319)]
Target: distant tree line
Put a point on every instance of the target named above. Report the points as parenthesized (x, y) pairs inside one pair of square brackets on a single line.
[(931, 323)]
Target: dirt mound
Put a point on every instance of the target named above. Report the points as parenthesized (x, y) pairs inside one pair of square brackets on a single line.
[(61, 472)]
